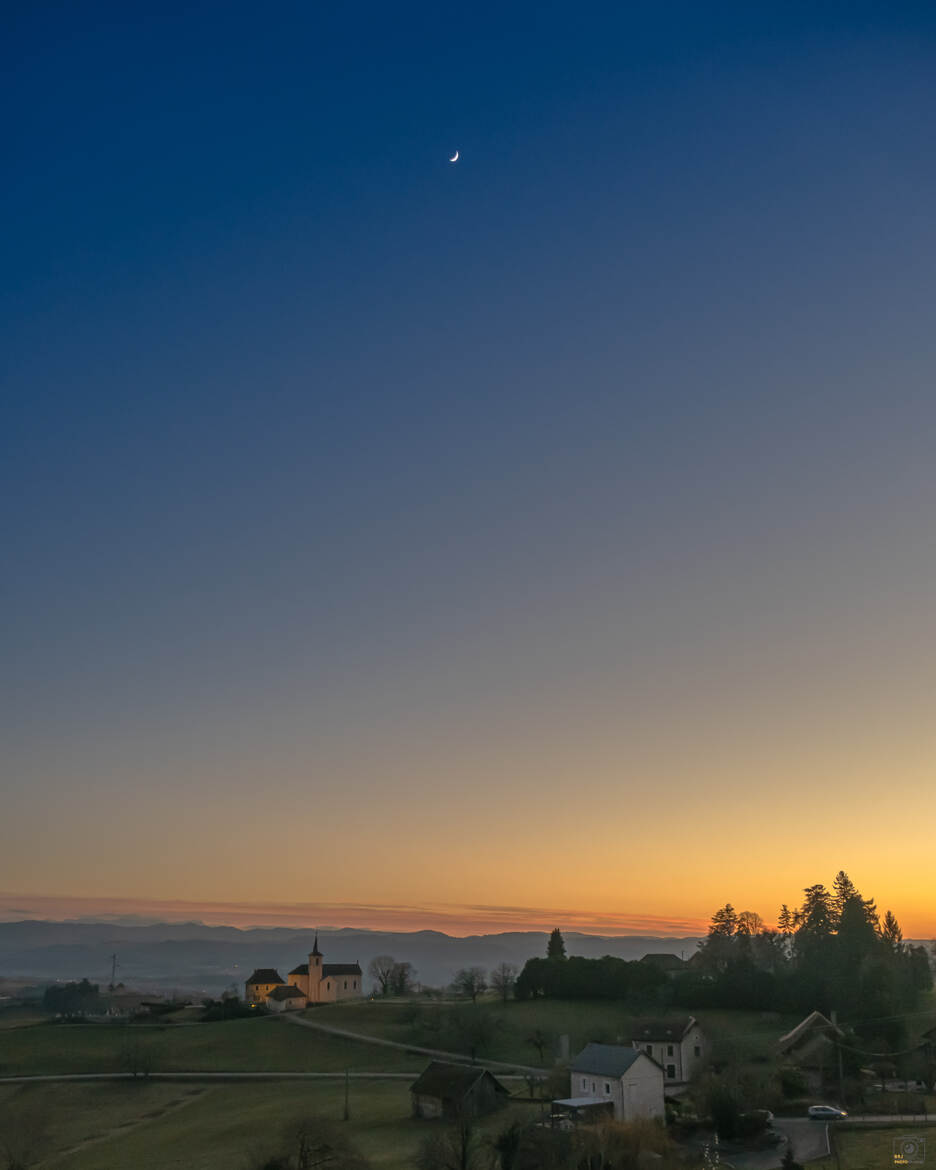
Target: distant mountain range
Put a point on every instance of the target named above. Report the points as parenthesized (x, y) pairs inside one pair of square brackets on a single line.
[(194, 958)]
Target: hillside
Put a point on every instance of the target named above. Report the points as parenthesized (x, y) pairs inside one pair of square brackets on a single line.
[(198, 958)]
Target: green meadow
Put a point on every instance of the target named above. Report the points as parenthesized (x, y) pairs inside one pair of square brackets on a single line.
[(265, 1044), (743, 1036), (220, 1127)]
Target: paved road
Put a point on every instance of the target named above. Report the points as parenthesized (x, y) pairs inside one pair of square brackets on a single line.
[(810, 1139), (224, 1076), (438, 1053)]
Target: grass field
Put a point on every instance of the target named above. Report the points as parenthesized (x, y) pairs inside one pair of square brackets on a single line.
[(158, 1126), (751, 1036), (166, 1127), (265, 1044), (873, 1149)]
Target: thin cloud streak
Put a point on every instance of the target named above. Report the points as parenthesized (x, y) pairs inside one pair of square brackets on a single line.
[(452, 919)]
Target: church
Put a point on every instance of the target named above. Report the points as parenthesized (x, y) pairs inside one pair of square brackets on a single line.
[(309, 983)]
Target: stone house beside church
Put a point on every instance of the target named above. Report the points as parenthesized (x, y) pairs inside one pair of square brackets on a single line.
[(309, 983)]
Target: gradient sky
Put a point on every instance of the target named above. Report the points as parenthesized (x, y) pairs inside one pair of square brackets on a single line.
[(551, 529)]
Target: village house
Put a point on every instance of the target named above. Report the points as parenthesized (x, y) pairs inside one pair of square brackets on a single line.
[(261, 983), (627, 1077), (456, 1091), (677, 1045), (285, 999), (311, 983), (811, 1047), (664, 961)]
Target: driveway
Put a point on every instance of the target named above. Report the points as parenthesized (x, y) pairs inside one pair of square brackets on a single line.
[(810, 1140)]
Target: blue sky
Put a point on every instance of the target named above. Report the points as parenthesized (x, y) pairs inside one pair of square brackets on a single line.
[(602, 457)]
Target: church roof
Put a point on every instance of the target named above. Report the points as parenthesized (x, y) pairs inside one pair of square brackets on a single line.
[(334, 969), (265, 975), (302, 969)]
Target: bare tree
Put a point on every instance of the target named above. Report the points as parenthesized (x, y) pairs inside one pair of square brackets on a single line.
[(401, 978), (460, 1148), (136, 1057), (503, 978), (750, 922), (470, 981), (380, 970), (539, 1040), (472, 1028), (311, 1143)]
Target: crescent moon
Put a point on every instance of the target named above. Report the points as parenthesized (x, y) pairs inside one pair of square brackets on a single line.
[(454, 157)]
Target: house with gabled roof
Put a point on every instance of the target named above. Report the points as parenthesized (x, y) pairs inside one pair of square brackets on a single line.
[(261, 983), (811, 1047), (456, 1091), (286, 998), (664, 961), (625, 1076), (675, 1043)]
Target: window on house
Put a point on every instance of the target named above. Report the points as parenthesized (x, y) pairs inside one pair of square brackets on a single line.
[(671, 1071), (583, 1082), (593, 1086), (697, 1050), (346, 985), (607, 1087), (669, 1050), (649, 1049)]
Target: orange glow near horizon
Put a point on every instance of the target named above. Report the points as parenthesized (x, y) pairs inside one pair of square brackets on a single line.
[(451, 919)]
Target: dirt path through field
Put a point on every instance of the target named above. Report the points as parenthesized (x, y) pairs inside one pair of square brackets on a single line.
[(186, 1097)]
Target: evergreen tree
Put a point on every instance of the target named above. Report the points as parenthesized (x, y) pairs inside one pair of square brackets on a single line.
[(724, 922), (555, 948), (843, 890), (817, 917), (785, 920), (891, 932)]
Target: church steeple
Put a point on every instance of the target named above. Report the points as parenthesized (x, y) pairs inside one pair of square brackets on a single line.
[(315, 950)]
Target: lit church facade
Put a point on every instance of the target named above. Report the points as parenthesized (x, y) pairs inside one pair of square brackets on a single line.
[(309, 983)]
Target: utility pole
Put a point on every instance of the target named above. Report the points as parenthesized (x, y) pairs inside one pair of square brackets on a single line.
[(113, 984), (347, 1081), (838, 1053)]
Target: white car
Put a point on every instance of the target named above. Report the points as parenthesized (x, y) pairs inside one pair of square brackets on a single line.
[(825, 1112)]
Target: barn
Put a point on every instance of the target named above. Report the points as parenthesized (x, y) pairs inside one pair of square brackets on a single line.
[(456, 1091)]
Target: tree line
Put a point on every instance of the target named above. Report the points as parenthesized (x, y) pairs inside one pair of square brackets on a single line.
[(560, 977), (834, 952), (392, 978)]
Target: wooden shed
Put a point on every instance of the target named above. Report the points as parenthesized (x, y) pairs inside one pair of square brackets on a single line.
[(456, 1090)]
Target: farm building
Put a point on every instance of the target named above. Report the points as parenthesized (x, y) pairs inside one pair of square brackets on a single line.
[(456, 1091)]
